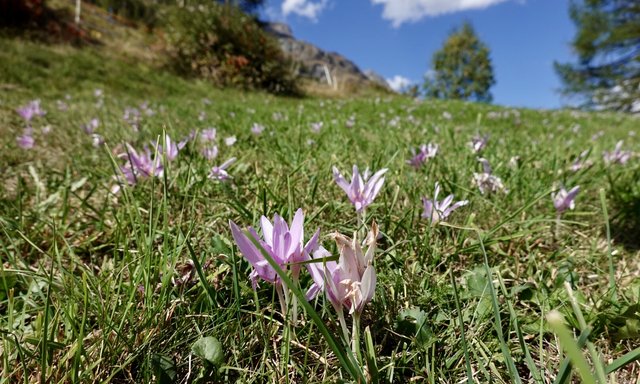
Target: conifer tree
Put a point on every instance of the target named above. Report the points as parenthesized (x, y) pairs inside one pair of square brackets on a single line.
[(461, 69), (607, 72)]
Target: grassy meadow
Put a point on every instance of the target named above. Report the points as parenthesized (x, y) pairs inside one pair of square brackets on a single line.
[(105, 285)]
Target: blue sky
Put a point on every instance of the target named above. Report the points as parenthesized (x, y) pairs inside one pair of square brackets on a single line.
[(398, 38)]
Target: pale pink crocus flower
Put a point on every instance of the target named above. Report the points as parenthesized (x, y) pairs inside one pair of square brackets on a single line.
[(210, 153), (362, 190), (208, 134), (316, 127), (486, 181), (257, 129), (436, 211), (349, 283), (478, 143), (229, 141)]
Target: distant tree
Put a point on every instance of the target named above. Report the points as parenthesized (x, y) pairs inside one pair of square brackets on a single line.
[(607, 44), (461, 69)]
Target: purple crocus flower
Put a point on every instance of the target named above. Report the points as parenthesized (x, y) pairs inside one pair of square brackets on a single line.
[(132, 117), (91, 126), (478, 143), (581, 162), (564, 200), (172, 147), (257, 129), (349, 283), (283, 243), (142, 164), (208, 134), (425, 152), (31, 110), (362, 189), (617, 155), (210, 153), (26, 141), (220, 173), (316, 127), (435, 210)]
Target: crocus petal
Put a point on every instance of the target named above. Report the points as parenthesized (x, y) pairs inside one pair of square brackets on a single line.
[(296, 229), (342, 183), (367, 287)]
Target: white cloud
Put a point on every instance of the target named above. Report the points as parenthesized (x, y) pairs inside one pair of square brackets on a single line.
[(402, 11), (304, 8), (399, 83)]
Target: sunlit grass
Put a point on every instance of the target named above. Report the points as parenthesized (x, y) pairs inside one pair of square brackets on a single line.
[(97, 287)]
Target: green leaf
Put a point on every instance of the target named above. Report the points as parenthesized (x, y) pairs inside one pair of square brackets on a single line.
[(208, 349), (164, 368)]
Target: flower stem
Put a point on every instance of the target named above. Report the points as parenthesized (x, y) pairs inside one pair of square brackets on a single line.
[(355, 342), (343, 325)]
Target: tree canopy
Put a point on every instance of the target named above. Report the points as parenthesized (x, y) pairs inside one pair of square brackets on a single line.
[(607, 43), (461, 69)]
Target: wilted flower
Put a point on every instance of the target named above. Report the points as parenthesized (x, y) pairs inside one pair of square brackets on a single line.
[(486, 181), (210, 153), (425, 152), (617, 155), (283, 243), (362, 190), (478, 143), (91, 126), (351, 282), (208, 134), (435, 210), (220, 173), (26, 141), (229, 141), (257, 129), (564, 200)]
